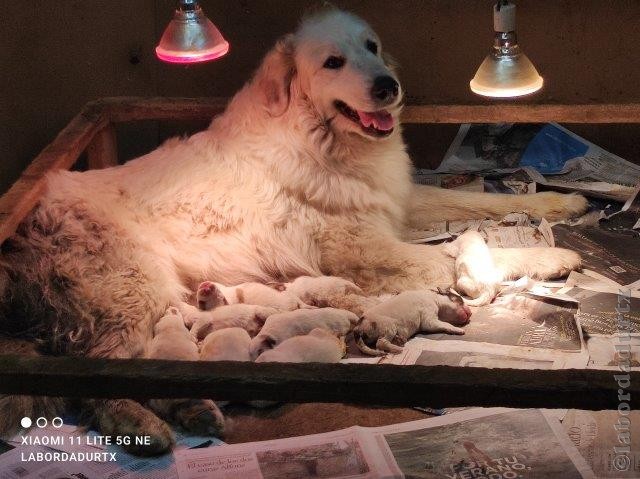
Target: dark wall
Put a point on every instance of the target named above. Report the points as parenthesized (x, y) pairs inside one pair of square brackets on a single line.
[(57, 55)]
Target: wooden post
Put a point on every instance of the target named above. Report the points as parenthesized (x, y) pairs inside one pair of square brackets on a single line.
[(102, 152)]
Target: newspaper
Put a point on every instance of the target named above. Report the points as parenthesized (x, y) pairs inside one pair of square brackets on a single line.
[(608, 311), (612, 351), (428, 352), (516, 230), (597, 435), (70, 452), (627, 220), (610, 254), (566, 160), (478, 443), (524, 320)]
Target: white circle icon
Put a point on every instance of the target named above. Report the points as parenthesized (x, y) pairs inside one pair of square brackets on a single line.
[(41, 422), (25, 422), (56, 422)]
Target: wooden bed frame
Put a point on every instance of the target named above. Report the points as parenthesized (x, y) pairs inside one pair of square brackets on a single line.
[(93, 131)]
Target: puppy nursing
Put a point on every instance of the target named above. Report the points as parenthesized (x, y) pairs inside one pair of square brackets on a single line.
[(319, 346), (282, 326), (259, 294), (386, 326), (171, 339)]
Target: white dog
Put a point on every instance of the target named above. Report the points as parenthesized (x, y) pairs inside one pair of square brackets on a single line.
[(246, 316), (476, 273), (228, 344), (320, 290), (283, 326), (319, 346), (261, 295), (171, 339), (390, 324), (305, 173)]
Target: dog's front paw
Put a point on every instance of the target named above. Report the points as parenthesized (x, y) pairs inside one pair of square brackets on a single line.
[(130, 420), (201, 417), (555, 206)]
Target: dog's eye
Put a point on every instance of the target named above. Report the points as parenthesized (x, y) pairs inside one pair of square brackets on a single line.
[(372, 47), (334, 63)]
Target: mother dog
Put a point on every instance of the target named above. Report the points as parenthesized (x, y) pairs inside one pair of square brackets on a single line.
[(305, 173)]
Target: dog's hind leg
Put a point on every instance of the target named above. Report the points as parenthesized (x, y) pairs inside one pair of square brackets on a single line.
[(537, 263)]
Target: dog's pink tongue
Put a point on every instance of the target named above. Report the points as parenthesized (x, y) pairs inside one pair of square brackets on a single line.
[(380, 120)]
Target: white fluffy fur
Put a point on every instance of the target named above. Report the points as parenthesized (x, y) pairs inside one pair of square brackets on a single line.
[(320, 290), (319, 346), (172, 340), (392, 322), (245, 316), (300, 322), (228, 344), (476, 273), (261, 295)]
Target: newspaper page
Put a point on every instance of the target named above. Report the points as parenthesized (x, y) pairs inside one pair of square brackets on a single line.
[(565, 159), (475, 443), (482, 444), (607, 313), (339, 454), (612, 255), (599, 435), (627, 220), (524, 320), (427, 352)]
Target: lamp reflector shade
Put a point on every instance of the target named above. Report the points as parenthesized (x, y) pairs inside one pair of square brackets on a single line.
[(191, 37), (506, 76), (506, 71)]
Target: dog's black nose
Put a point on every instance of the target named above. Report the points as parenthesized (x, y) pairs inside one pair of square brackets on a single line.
[(384, 88)]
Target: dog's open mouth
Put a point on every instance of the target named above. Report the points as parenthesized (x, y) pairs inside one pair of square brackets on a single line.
[(375, 123)]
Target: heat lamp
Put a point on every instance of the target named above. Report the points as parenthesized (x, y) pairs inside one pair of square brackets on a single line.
[(506, 71), (191, 37)]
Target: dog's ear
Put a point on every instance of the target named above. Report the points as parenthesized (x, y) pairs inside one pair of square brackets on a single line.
[(273, 79)]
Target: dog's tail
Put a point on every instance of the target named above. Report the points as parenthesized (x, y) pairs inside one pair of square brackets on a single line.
[(14, 408)]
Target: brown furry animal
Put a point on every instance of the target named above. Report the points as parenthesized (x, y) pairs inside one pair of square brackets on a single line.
[(305, 173)]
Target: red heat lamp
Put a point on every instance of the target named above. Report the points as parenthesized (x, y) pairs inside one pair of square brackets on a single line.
[(191, 37)]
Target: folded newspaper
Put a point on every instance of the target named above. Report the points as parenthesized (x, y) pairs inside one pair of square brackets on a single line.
[(548, 154), (475, 443)]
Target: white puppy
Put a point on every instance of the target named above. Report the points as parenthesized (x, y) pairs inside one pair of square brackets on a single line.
[(171, 339), (476, 273), (394, 321), (261, 295), (245, 316), (319, 346), (283, 326), (209, 296), (320, 290), (228, 344)]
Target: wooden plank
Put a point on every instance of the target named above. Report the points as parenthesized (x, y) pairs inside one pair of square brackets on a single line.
[(62, 153), (102, 151), (133, 109), (435, 386)]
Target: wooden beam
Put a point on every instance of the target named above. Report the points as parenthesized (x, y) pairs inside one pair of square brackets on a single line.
[(102, 151), (390, 385), (61, 153)]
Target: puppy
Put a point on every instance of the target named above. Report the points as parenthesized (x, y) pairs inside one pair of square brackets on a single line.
[(209, 296), (245, 316), (394, 321), (283, 326), (320, 290), (262, 295), (476, 274), (171, 339), (319, 346), (228, 344)]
